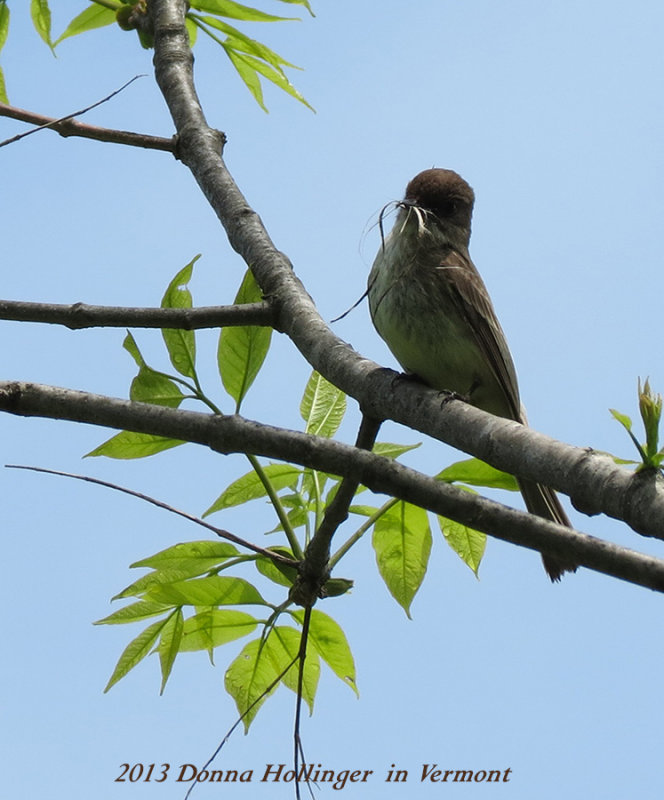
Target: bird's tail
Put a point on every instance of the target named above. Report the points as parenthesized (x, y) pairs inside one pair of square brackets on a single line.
[(544, 502)]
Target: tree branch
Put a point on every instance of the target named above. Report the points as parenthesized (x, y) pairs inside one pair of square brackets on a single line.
[(594, 483), (82, 315), (314, 569), (71, 127), (233, 434)]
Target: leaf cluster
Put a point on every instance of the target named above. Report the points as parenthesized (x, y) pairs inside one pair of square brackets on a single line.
[(195, 578), (650, 409), (251, 59), (197, 610)]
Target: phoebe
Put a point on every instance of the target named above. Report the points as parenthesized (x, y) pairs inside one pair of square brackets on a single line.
[(429, 303)]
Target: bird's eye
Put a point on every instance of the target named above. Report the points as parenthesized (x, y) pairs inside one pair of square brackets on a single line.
[(448, 208)]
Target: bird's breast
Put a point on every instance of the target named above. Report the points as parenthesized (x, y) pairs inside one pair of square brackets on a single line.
[(414, 309)]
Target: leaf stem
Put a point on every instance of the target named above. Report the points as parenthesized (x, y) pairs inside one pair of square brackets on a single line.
[(278, 507), (345, 547)]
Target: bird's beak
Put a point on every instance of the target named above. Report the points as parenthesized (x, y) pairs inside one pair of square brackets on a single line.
[(417, 211)]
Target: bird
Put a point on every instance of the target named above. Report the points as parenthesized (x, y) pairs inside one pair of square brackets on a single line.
[(431, 307)]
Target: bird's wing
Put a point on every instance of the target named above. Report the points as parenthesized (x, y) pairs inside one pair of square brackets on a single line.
[(470, 294)]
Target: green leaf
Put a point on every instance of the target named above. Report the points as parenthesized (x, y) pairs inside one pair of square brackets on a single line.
[(402, 542), (323, 406), (156, 578), (133, 612), (304, 3), (273, 74), (618, 460), (179, 563), (192, 30), (242, 350), (626, 422), (650, 408), (332, 493), (283, 645), (251, 58), (364, 511), (331, 644), (228, 8), (297, 518), (248, 677), (129, 444), (257, 667), (393, 450), (467, 543), (623, 419), (151, 386), (249, 77), (135, 651), (3, 88), (41, 19), (281, 574), (239, 41), (478, 473), (4, 22), (313, 483), (131, 346), (212, 627), (211, 591), (169, 645), (335, 587), (181, 344), (298, 514), (250, 487), (201, 555), (94, 16)]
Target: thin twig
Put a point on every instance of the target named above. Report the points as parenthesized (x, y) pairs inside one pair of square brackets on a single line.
[(297, 741), (223, 534), (67, 126), (261, 697)]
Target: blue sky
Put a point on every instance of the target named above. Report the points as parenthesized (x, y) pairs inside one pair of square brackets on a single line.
[(553, 114)]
